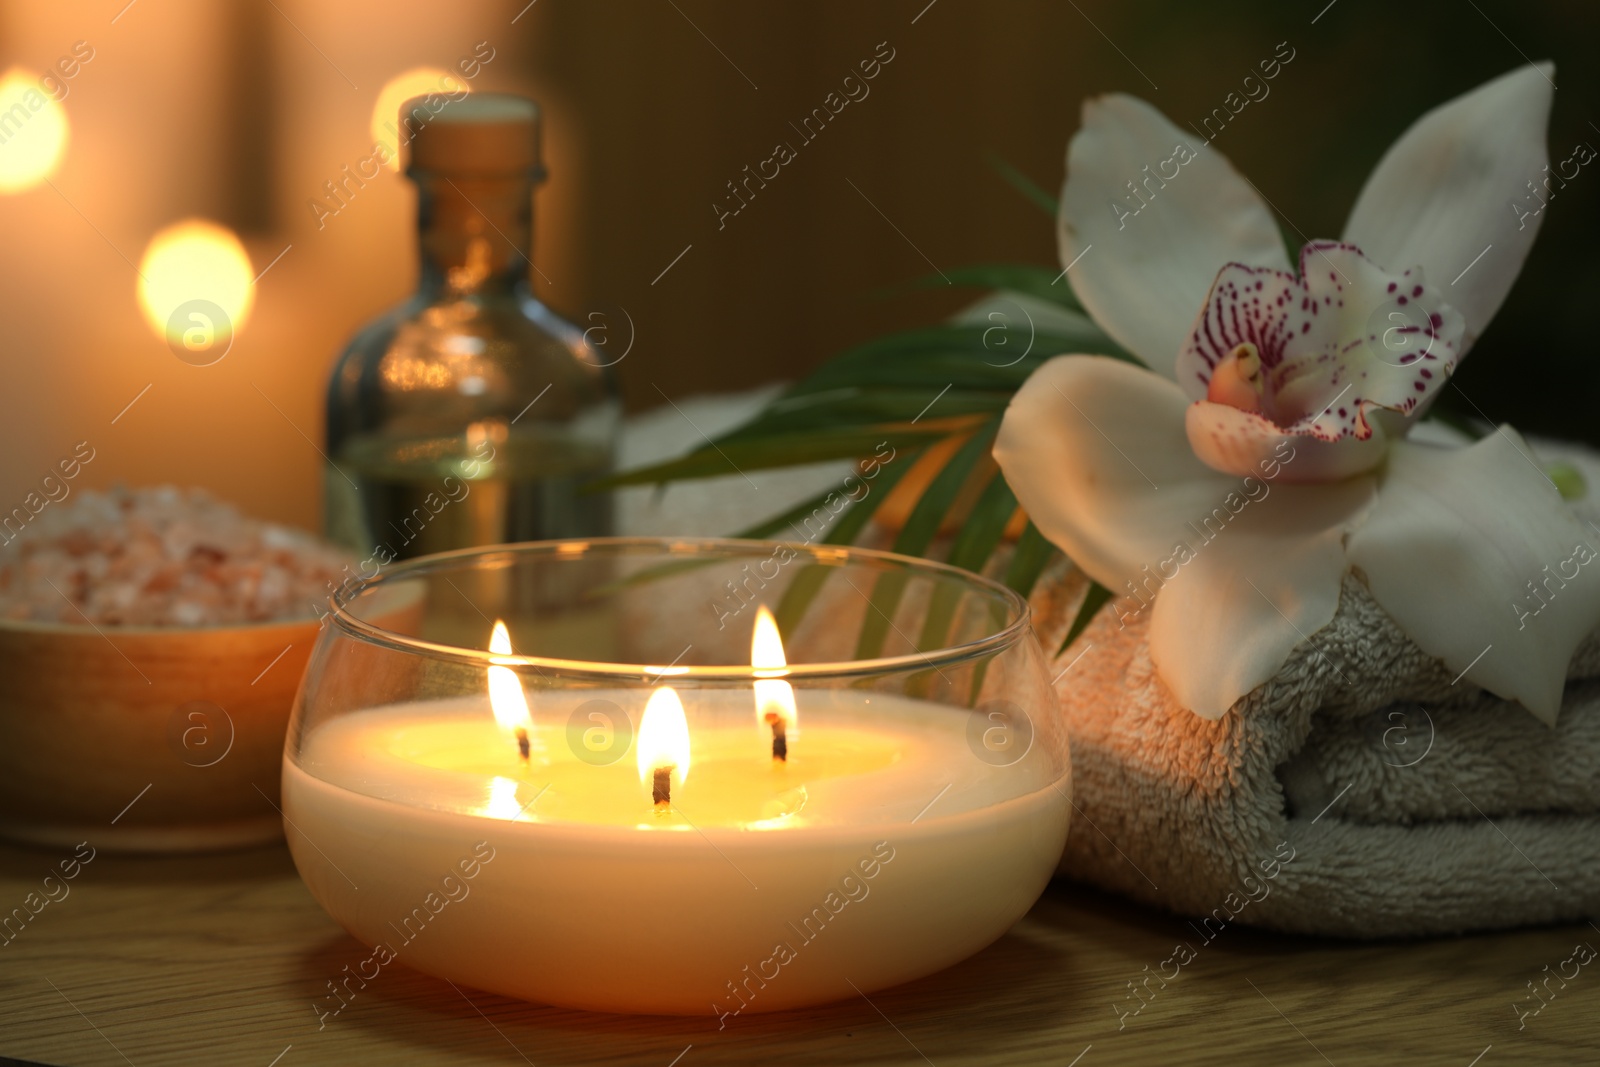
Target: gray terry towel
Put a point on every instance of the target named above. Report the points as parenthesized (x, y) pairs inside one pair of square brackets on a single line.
[(1363, 792)]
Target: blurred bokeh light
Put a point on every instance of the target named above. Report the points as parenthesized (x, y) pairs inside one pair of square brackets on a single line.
[(195, 284), (33, 131), (419, 81)]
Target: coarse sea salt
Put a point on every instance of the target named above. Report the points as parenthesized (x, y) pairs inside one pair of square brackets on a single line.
[(162, 556)]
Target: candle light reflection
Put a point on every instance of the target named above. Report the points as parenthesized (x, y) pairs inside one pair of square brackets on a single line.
[(502, 802)]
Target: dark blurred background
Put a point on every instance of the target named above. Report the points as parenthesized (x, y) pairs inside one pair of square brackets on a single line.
[(239, 111)]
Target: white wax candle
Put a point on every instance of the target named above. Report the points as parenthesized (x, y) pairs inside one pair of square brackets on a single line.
[(883, 850)]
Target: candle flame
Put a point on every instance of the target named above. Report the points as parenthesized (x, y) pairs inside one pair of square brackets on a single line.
[(663, 736), (505, 688), (774, 696)]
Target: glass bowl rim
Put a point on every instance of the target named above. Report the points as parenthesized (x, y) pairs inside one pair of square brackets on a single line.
[(1013, 632)]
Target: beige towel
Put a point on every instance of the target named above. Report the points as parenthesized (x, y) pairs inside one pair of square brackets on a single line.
[(1363, 792)]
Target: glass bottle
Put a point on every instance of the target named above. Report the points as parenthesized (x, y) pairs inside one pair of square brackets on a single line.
[(470, 414)]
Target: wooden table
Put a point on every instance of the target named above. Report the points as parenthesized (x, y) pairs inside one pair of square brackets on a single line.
[(217, 959)]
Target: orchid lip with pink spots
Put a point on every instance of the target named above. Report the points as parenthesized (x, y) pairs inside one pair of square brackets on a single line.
[(1322, 348), (1332, 364)]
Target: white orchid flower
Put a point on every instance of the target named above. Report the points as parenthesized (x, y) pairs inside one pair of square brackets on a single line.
[(1231, 494)]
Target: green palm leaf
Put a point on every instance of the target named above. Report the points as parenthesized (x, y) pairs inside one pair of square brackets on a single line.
[(808, 581), (1040, 282), (1032, 555), (1025, 185), (980, 535), (866, 406), (970, 354), (788, 449), (917, 535), (909, 391), (1093, 601)]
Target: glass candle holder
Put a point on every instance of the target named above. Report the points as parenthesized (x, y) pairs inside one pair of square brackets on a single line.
[(675, 776)]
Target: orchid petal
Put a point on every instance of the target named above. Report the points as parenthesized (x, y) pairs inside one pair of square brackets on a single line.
[(1261, 585), (1474, 554), (1120, 492), (1342, 338), (1146, 220), (1244, 443), (1095, 451), (1448, 192)]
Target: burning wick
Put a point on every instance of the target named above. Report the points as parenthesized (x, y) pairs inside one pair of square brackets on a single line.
[(663, 745), (506, 698), (780, 737), (774, 696)]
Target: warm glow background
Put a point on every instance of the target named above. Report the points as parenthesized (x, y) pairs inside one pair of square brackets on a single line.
[(418, 81), (238, 112), (224, 112)]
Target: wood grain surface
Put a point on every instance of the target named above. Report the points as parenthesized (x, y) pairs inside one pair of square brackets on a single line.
[(218, 959)]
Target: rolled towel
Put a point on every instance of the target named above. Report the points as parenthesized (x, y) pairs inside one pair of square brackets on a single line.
[(1363, 792)]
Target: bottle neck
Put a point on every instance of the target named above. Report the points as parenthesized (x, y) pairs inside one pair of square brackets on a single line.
[(475, 233)]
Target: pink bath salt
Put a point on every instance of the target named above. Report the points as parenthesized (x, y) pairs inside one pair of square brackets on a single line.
[(162, 556)]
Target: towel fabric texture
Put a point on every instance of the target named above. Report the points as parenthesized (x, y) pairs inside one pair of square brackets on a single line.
[(1363, 792)]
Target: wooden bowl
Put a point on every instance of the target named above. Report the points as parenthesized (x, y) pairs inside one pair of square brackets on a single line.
[(149, 739), (146, 738)]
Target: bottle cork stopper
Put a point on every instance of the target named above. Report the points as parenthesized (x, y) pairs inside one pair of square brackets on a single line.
[(481, 133)]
